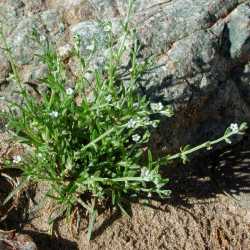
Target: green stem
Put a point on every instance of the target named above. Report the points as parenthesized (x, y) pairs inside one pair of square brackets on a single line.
[(121, 179), (10, 58), (92, 143), (190, 151), (51, 98)]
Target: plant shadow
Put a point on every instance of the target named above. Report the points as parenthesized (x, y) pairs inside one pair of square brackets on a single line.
[(45, 241), (115, 215), (204, 177), (224, 171)]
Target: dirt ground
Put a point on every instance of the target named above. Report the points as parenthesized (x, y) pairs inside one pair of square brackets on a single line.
[(209, 209)]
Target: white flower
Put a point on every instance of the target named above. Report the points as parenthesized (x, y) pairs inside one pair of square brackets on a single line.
[(107, 28), (42, 38), (136, 105), (234, 128), (146, 174), (149, 195), (156, 107), (64, 51), (69, 91), (136, 137), (54, 114), (17, 158), (40, 155), (131, 123), (108, 98), (155, 124), (91, 47)]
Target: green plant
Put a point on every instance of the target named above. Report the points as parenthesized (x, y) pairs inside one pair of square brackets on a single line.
[(96, 148)]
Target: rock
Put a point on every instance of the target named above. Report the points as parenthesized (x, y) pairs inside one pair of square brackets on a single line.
[(63, 4), (73, 11), (53, 24), (33, 6), (78, 12), (89, 31), (20, 41), (242, 77), (202, 59), (108, 9), (197, 58), (10, 240), (32, 73), (239, 33), (10, 14)]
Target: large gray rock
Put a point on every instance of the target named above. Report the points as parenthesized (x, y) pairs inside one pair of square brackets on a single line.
[(198, 58), (11, 12), (239, 33), (202, 49)]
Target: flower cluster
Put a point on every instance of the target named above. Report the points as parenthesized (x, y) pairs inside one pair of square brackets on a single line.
[(69, 91), (136, 137), (156, 107), (131, 123), (17, 159), (54, 114), (152, 176), (234, 128), (108, 98)]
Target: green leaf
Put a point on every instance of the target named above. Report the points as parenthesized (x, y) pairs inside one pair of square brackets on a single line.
[(92, 219), (227, 140)]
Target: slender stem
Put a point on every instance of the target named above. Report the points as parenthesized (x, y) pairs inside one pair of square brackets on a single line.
[(121, 179), (130, 5), (92, 143), (203, 145), (10, 58), (51, 98)]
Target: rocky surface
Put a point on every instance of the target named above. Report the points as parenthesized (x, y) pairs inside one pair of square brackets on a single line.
[(202, 50), (10, 240), (203, 58)]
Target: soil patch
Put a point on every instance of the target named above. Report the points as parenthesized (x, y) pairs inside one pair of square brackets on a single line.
[(202, 213)]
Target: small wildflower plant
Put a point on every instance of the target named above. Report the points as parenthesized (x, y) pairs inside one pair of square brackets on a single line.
[(94, 147)]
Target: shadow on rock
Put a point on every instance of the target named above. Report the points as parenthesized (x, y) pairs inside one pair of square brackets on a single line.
[(223, 171)]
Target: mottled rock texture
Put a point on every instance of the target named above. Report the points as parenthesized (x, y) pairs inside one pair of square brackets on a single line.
[(202, 49), (10, 240)]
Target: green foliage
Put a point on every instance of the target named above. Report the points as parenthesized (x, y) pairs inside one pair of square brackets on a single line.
[(90, 142)]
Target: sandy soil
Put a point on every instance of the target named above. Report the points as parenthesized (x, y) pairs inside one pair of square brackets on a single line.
[(203, 212)]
